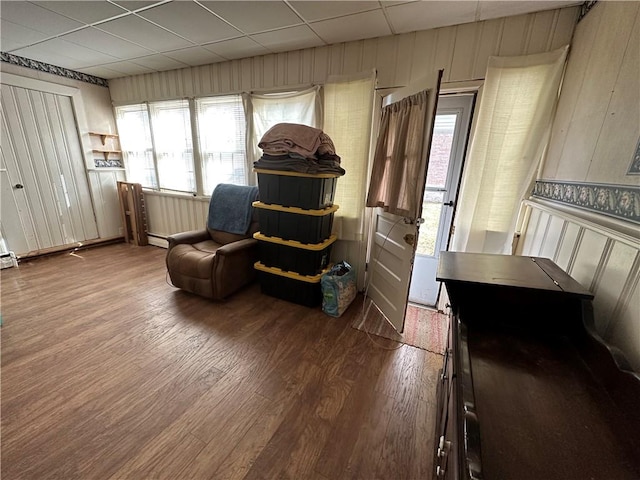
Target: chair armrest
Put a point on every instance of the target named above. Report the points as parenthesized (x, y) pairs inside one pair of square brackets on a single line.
[(237, 247), (233, 266), (194, 236)]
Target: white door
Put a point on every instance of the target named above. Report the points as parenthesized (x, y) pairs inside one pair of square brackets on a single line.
[(393, 238), (448, 146), (13, 232), (46, 198)]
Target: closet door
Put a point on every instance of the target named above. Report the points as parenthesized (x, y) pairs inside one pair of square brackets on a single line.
[(45, 170)]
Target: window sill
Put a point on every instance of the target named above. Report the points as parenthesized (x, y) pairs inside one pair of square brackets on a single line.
[(172, 194)]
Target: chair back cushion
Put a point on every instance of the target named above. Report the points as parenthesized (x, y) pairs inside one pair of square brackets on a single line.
[(223, 238), (230, 208)]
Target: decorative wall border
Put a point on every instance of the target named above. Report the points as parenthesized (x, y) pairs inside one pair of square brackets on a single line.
[(53, 69), (585, 7), (619, 201)]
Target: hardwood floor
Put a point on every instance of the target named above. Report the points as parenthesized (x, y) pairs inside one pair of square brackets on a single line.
[(110, 373)]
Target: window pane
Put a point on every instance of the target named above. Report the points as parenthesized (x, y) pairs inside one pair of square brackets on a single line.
[(135, 141), (221, 131), (431, 211), (441, 144), (171, 125)]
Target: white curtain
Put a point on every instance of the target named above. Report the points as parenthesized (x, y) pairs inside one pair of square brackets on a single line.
[(512, 129), (348, 108), (264, 111)]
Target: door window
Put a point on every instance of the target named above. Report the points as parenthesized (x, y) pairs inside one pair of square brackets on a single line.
[(441, 147)]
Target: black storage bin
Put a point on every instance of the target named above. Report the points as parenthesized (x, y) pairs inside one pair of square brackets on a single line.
[(292, 256), (293, 189), (293, 223), (289, 286)]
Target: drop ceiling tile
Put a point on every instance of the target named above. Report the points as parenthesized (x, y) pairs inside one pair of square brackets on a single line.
[(293, 38), (37, 18), (194, 56), (353, 27), (45, 52), (313, 11), (134, 5), (159, 62), (493, 9), (191, 21), (102, 72), (15, 36), (106, 43), (127, 68), (254, 17), (410, 17), (138, 30), (237, 48), (83, 11), (82, 55)]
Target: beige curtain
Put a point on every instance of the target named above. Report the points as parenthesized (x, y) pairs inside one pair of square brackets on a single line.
[(512, 127), (399, 164), (348, 108)]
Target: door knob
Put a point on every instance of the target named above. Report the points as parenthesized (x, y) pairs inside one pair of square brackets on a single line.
[(448, 204), (18, 185)]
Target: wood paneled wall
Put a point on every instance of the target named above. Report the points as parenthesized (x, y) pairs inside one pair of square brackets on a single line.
[(597, 123), (462, 51), (168, 214), (604, 256)]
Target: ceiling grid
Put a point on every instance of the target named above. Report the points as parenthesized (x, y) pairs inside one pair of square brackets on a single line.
[(116, 38)]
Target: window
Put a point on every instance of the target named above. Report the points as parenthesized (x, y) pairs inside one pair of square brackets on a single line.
[(157, 146), (135, 140), (157, 138), (172, 138), (221, 134)]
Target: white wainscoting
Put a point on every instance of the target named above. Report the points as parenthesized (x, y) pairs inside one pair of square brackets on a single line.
[(173, 213), (601, 253), (170, 213), (104, 191)]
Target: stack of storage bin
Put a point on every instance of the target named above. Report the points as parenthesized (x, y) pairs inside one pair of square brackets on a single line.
[(295, 213)]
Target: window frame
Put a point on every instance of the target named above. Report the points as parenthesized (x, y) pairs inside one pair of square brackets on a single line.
[(202, 154), (189, 142), (198, 156)]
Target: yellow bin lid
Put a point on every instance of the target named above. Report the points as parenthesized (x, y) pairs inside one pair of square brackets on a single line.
[(295, 276), (296, 210), (289, 173), (316, 247)]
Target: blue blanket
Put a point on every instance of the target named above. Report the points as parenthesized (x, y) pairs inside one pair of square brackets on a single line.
[(230, 208)]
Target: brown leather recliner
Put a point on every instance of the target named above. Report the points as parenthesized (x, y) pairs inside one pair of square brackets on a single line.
[(213, 263)]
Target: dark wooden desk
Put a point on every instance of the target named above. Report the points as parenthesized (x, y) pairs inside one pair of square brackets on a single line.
[(527, 390)]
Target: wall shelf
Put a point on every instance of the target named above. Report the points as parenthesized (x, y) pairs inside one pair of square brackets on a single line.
[(105, 152), (103, 136)]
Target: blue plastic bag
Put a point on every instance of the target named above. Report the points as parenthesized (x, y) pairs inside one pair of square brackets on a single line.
[(339, 288)]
